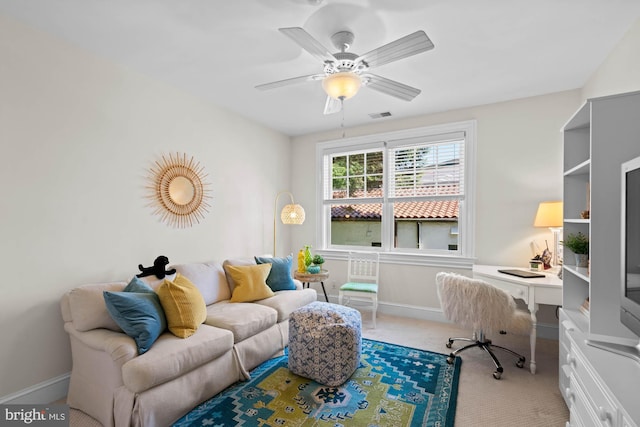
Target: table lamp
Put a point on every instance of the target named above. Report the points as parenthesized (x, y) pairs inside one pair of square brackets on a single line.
[(550, 215)]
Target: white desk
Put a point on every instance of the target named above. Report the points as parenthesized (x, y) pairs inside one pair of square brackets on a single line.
[(542, 290)]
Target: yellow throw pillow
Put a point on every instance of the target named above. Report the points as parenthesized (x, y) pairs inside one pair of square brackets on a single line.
[(250, 281), (183, 306)]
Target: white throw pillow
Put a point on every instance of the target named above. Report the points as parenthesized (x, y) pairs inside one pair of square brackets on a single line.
[(209, 278)]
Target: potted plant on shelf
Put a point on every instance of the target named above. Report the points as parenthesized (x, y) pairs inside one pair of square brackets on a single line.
[(578, 243)]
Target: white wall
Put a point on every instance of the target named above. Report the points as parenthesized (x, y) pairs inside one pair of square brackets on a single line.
[(620, 72), (78, 135)]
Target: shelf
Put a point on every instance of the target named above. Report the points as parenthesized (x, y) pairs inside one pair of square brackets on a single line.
[(581, 169), (581, 119), (580, 272), (577, 221)]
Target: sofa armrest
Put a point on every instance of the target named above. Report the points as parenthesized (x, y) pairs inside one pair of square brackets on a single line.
[(298, 284), (119, 346)]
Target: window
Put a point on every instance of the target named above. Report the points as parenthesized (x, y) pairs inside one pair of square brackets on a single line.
[(405, 192)]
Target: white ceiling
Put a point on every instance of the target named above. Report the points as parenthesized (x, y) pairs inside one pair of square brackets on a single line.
[(485, 50)]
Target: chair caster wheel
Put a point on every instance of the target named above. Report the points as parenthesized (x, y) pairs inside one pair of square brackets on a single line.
[(449, 344), (450, 359), (497, 375), (520, 363)]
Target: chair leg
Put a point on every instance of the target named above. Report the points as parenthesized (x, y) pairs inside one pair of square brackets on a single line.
[(488, 347), (449, 343), (521, 358), (374, 310), (498, 372), (461, 349)]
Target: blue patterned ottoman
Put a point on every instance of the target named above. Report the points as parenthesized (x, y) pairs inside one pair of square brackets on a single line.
[(325, 342)]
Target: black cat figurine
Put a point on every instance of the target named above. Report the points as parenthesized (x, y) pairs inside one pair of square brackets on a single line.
[(158, 268)]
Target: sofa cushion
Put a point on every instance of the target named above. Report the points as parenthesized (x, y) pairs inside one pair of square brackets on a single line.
[(243, 319), (88, 309), (183, 305), (209, 278), (279, 278), (138, 312), (171, 357), (285, 302), (250, 282), (154, 282)]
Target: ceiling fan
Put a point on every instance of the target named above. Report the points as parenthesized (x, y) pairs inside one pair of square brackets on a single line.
[(344, 72)]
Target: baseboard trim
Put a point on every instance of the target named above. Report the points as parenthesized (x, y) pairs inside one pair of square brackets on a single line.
[(42, 393), (413, 312), (548, 331), (544, 330)]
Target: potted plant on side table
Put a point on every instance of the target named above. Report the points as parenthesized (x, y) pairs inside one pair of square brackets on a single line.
[(317, 260)]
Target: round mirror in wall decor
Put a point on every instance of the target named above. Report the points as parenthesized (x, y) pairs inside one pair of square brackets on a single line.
[(177, 190)]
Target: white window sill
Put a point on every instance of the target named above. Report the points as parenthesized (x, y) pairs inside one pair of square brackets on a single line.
[(427, 260)]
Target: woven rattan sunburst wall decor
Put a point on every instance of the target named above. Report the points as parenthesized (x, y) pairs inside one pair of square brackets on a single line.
[(177, 191)]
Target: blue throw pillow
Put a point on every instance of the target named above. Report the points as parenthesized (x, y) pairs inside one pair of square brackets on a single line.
[(138, 312), (279, 278)]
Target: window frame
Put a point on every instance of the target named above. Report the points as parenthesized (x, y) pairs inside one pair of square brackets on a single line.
[(463, 257)]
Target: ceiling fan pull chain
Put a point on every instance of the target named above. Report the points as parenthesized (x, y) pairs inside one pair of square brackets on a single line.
[(342, 111)]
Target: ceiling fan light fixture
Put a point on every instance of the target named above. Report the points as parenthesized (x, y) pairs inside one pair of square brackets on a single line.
[(342, 85)]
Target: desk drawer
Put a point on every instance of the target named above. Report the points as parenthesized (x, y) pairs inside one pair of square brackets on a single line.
[(515, 290)]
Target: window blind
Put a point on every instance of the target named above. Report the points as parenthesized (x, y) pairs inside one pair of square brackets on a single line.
[(427, 169)]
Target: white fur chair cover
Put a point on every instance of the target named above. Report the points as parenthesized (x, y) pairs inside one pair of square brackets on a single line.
[(477, 305)]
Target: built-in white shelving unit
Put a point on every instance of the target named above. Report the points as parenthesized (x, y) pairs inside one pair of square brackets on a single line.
[(601, 135)]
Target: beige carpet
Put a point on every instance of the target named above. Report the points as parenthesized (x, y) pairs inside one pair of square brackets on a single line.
[(518, 399)]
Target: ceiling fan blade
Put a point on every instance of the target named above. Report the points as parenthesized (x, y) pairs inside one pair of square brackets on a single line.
[(406, 46), (293, 80), (332, 106), (308, 43), (390, 87)]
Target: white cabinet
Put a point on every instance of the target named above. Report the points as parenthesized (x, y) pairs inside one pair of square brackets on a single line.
[(600, 388), (601, 135)]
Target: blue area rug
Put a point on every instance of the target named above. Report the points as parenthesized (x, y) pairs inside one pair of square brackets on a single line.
[(393, 386)]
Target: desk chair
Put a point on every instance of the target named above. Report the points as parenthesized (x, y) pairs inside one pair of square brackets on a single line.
[(483, 308), (362, 281)]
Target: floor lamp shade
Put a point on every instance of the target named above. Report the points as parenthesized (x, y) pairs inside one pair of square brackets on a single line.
[(291, 213)]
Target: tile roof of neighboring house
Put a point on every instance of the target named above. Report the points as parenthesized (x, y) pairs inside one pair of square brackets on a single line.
[(445, 209)]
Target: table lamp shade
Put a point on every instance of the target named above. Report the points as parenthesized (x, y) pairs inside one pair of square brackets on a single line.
[(549, 215)]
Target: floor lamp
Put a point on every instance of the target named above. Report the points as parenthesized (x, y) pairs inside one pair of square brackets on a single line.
[(550, 215), (290, 214)]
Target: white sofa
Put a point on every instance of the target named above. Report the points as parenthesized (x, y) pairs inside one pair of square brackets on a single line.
[(114, 384)]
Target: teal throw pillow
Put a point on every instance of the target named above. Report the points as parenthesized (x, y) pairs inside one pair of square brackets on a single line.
[(279, 278), (138, 312)]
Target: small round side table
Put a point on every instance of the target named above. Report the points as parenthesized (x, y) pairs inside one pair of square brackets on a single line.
[(307, 278)]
